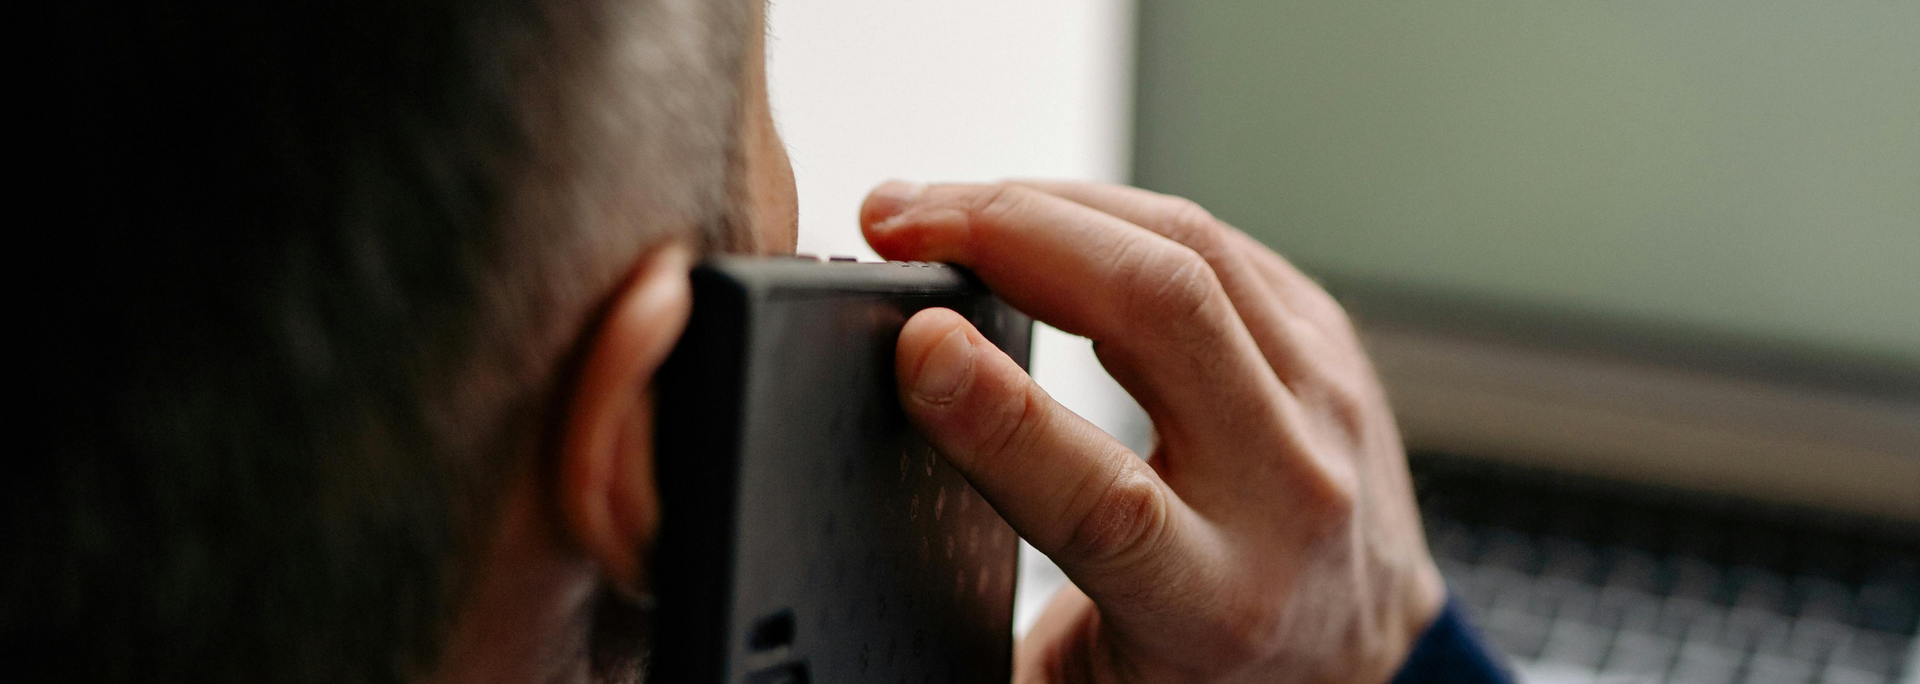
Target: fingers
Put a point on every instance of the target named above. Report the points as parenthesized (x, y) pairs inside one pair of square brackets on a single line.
[(1051, 650), (1286, 338), (1232, 556), (1306, 337), (1086, 272), (1069, 488), (1304, 296), (1243, 263), (1165, 327)]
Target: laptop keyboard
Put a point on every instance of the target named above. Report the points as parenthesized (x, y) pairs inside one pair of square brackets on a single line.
[(1579, 581)]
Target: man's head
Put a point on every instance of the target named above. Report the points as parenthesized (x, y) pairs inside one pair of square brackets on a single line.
[(339, 276)]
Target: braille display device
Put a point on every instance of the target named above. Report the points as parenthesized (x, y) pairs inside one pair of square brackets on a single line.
[(808, 533)]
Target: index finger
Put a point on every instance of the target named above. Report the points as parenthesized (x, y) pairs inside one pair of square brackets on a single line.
[(1166, 328), (1067, 487)]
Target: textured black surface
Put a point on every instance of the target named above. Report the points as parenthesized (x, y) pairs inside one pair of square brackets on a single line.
[(809, 534)]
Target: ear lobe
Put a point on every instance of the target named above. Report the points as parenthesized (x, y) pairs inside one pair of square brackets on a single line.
[(606, 493)]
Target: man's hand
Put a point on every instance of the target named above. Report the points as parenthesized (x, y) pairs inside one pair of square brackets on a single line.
[(1270, 537)]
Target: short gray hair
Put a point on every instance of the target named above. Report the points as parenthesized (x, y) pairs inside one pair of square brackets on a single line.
[(335, 261)]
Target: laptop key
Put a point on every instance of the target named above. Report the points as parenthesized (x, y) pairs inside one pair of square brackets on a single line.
[(1841, 674), (1873, 652), (1705, 663), (1687, 617), (1517, 633), (1775, 669), (1576, 644), (1639, 654), (1816, 638), (1822, 598), (1746, 629)]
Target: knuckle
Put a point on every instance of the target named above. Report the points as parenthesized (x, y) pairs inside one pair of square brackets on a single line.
[(1176, 286), (1013, 425), (1342, 498), (1333, 496), (1348, 408), (1248, 630), (1192, 225), (997, 204), (1127, 522), (1334, 317)]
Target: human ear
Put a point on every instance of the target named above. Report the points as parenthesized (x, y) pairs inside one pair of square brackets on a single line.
[(606, 492)]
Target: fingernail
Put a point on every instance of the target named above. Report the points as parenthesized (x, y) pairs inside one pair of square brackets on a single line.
[(890, 199), (946, 368)]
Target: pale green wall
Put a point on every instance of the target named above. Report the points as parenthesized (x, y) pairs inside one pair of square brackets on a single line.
[(1743, 166)]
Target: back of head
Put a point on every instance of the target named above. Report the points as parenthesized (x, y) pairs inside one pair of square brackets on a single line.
[(319, 265)]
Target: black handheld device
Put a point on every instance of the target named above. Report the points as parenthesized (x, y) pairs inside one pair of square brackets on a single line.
[(808, 533)]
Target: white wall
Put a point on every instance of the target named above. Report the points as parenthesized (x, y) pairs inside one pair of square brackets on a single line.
[(866, 90), (926, 90)]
